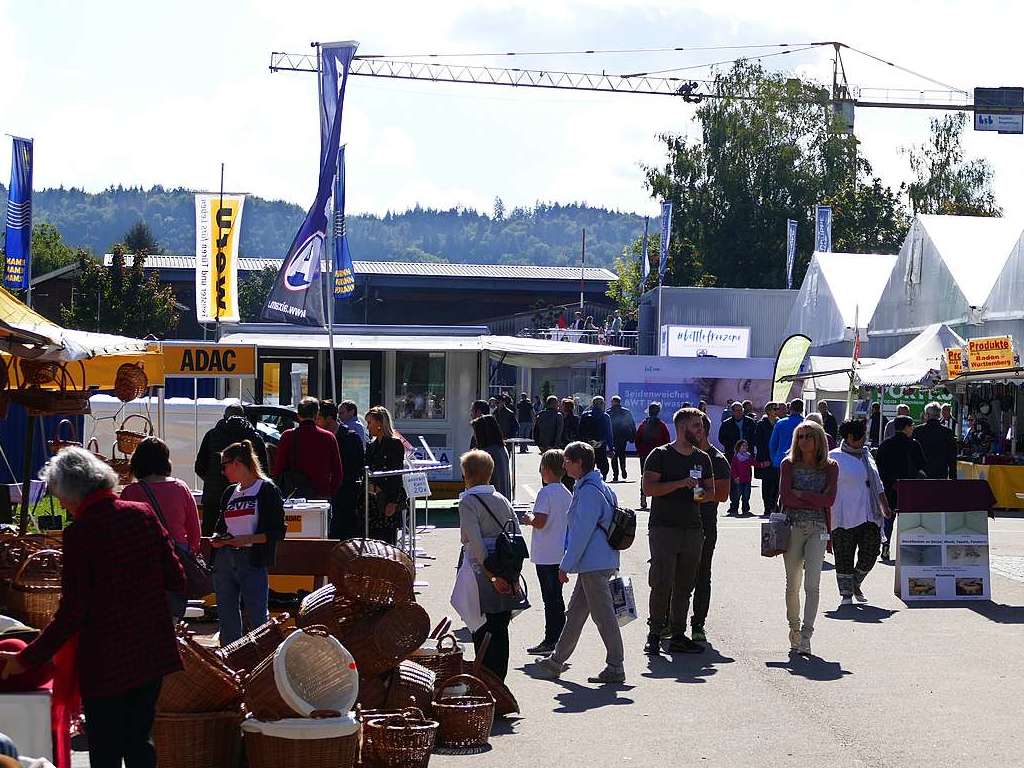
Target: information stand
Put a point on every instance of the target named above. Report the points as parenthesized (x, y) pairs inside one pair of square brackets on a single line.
[(942, 550)]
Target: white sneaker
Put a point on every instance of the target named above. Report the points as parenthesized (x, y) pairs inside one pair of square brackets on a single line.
[(804, 649), (847, 600)]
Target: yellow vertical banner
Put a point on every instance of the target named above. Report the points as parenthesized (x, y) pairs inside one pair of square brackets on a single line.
[(787, 363), (218, 224)]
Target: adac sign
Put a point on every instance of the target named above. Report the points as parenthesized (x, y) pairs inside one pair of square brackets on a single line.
[(209, 360)]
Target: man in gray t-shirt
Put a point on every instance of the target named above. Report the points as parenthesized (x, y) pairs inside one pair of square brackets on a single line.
[(709, 517)]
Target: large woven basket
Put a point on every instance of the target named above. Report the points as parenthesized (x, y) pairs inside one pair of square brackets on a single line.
[(245, 654), (310, 671), (269, 745), (442, 656), (380, 643), (372, 572), (35, 589), (465, 720), (330, 608), (198, 740), (399, 740), (411, 685), (206, 684), (130, 382), (128, 439), (13, 552)]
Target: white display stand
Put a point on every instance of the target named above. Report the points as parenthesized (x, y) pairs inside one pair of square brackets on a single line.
[(942, 556), (25, 718)]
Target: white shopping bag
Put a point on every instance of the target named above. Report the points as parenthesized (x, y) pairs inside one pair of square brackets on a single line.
[(622, 599)]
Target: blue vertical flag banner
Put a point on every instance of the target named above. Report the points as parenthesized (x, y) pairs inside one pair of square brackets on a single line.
[(344, 277), (790, 251), (18, 242), (823, 228), (297, 296), (666, 233), (645, 267)]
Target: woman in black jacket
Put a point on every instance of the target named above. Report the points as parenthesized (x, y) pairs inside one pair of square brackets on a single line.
[(250, 524), (387, 494)]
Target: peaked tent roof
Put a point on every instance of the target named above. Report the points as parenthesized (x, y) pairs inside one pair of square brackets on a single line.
[(839, 291), (919, 362)]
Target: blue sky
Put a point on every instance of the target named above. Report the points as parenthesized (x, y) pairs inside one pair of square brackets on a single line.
[(141, 93)]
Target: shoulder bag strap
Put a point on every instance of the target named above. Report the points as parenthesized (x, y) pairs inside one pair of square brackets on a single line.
[(154, 503), (493, 516)]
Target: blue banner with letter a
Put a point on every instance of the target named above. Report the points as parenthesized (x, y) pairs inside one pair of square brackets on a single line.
[(18, 242), (297, 295)]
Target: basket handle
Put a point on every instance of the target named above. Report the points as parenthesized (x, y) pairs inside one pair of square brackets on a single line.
[(441, 628), (129, 417), (470, 681), (93, 445), (42, 554), (73, 437), (455, 644)]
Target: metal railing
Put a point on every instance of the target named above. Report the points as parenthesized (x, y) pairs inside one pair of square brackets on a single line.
[(626, 339)]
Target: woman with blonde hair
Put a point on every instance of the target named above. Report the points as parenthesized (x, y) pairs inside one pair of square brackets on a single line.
[(387, 494), (250, 524), (807, 488)]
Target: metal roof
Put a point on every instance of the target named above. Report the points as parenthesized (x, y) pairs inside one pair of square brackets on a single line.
[(407, 269)]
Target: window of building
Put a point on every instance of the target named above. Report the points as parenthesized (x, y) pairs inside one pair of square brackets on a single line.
[(419, 385)]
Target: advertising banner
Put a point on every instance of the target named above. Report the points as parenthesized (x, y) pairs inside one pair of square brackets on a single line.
[(218, 224), (916, 399), (344, 277), (209, 360), (704, 341), (823, 228), (787, 363), (990, 353), (790, 251), (18, 240), (666, 234), (645, 256), (297, 295), (954, 362)]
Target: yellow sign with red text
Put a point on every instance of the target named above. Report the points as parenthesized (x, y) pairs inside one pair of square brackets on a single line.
[(990, 353), (954, 362)]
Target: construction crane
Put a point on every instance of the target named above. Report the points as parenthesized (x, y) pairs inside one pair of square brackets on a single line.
[(689, 90)]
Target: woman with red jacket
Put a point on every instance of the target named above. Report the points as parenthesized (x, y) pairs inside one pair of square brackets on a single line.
[(119, 564), (652, 433)]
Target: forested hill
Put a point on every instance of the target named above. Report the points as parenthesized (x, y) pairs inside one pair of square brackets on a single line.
[(544, 234)]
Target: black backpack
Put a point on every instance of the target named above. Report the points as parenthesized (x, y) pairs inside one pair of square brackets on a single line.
[(622, 530)]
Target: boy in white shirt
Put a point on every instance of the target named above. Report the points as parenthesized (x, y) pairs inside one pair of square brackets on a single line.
[(549, 520)]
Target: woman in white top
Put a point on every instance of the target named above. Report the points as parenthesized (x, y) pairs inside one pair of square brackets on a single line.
[(483, 515), (857, 511)]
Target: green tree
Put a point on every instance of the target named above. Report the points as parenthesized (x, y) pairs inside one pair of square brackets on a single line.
[(944, 180), (139, 237), (768, 150), (627, 290), (253, 290), (49, 251), (122, 300)]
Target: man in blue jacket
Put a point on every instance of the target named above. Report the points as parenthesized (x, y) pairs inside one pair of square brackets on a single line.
[(782, 434), (588, 555)]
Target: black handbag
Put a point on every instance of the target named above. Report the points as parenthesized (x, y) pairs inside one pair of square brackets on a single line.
[(198, 577), (510, 550)]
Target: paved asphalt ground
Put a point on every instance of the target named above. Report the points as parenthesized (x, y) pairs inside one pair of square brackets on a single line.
[(889, 685)]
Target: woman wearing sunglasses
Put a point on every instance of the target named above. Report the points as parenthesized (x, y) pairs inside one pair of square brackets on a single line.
[(807, 488), (250, 524)]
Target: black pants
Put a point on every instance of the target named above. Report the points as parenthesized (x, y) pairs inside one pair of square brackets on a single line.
[(702, 588), (554, 603), (496, 657), (119, 727), (601, 460), (346, 518), (856, 550), (386, 533), (770, 488), (619, 459)]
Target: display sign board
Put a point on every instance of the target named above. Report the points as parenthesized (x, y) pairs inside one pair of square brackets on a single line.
[(942, 556), (417, 486), (704, 341), (917, 399), (954, 362), (990, 353), (1001, 122), (201, 360)]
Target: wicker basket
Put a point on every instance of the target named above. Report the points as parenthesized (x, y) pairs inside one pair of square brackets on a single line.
[(205, 684), (442, 656), (198, 740), (399, 740), (13, 552), (465, 721), (329, 608), (35, 588), (245, 654), (64, 436), (411, 685), (504, 702), (51, 402), (128, 439), (309, 671), (120, 464), (130, 382), (295, 743), (379, 644), (372, 572)]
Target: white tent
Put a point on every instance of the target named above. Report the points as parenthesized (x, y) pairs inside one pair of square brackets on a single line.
[(919, 362), (839, 291), (946, 271)]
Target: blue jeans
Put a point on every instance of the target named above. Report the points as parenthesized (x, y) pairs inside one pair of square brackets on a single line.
[(737, 492), (238, 582), (554, 603)]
